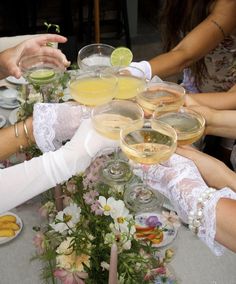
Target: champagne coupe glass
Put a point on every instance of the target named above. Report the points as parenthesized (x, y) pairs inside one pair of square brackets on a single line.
[(108, 119), (153, 143), (42, 72), (131, 81), (162, 97), (93, 88), (95, 56), (188, 124)]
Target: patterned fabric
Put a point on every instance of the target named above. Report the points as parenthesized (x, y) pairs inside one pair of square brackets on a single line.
[(221, 72), (179, 180), (55, 123)]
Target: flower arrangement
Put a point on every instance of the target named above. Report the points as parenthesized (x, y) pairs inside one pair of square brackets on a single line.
[(75, 244)]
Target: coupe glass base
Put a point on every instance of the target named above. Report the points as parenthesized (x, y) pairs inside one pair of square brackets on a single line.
[(139, 198), (117, 171)]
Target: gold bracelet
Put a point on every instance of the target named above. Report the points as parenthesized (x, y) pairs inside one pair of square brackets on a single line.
[(26, 133), (16, 130), (17, 135)]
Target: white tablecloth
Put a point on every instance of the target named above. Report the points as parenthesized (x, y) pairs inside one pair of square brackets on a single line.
[(193, 262)]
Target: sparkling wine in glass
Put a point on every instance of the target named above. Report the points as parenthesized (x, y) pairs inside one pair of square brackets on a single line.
[(95, 56), (93, 88), (108, 119), (162, 97), (188, 124), (42, 72), (147, 146)]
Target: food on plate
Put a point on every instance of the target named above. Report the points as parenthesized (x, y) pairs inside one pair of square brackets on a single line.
[(8, 225), (7, 233), (152, 234), (7, 218)]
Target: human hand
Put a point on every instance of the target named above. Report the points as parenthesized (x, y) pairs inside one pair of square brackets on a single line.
[(84, 145), (145, 67), (10, 58), (55, 123), (208, 167), (180, 181)]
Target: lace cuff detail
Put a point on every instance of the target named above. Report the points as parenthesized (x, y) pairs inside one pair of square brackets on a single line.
[(207, 230), (43, 121)]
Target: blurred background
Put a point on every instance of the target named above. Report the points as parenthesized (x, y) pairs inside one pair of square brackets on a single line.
[(131, 23)]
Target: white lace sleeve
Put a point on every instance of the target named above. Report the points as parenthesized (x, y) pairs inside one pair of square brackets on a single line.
[(180, 181), (44, 133), (55, 123), (207, 230)]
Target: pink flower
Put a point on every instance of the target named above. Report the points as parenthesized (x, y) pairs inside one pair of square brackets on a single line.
[(151, 274), (38, 241), (89, 197), (96, 208), (68, 277)]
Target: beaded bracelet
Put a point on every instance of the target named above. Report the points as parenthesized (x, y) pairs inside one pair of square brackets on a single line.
[(195, 218)]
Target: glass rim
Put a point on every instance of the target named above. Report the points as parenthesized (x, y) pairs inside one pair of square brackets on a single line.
[(186, 110), (95, 74), (125, 102), (146, 122), (144, 95), (38, 60), (95, 45)]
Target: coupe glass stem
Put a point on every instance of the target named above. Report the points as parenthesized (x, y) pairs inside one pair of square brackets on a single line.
[(115, 169)]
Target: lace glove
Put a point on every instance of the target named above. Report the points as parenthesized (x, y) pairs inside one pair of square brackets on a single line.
[(55, 123), (145, 67), (180, 181), (22, 182)]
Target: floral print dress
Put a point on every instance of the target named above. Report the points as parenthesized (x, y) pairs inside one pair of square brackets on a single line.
[(221, 69)]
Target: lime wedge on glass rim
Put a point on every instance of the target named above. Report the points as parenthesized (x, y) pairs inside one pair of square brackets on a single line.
[(42, 74), (121, 56)]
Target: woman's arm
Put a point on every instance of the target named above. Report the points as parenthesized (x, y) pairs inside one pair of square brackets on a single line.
[(26, 180), (220, 100), (218, 122), (48, 127), (225, 223), (10, 143), (214, 172), (205, 37)]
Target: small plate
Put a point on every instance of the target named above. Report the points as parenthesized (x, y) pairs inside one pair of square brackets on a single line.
[(3, 120), (13, 80), (9, 106), (4, 240), (13, 116), (159, 235)]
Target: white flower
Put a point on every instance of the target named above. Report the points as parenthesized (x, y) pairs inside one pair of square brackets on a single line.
[(107, 205), (122, 218), (35, 98), (65, 247), (67, 219)]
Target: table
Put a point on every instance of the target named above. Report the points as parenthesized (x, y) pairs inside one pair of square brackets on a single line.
[(193, 263)]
